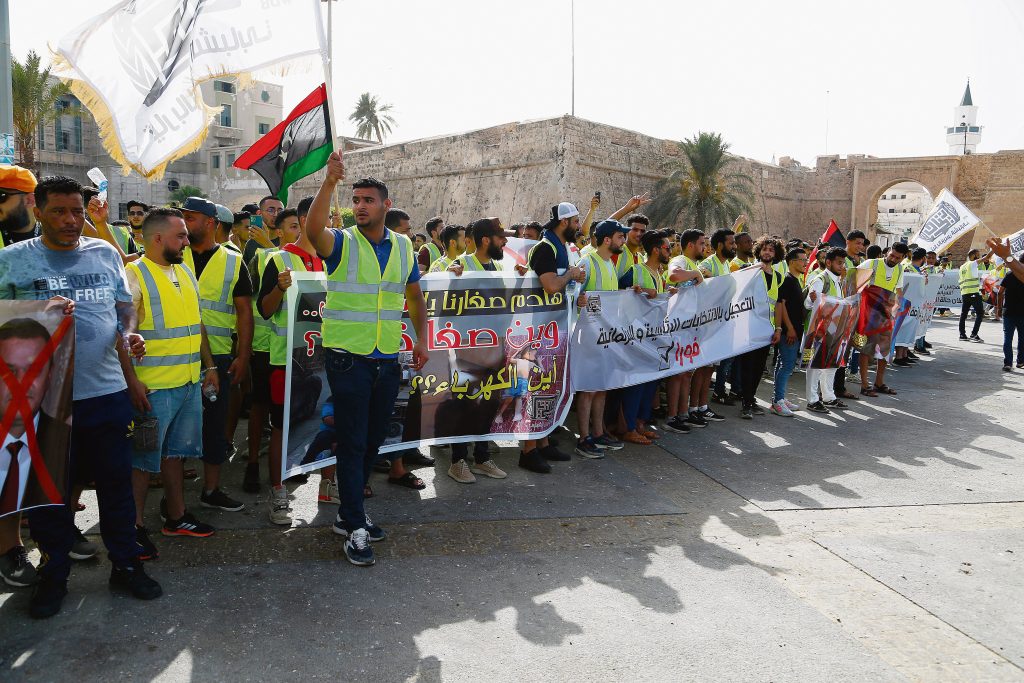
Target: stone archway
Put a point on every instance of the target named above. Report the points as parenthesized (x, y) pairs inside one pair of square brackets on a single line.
[(872, 177), (898, 222)]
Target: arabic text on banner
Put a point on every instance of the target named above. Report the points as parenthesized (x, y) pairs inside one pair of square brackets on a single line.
[(917, 296), (949, 295), (622, 338), (946, 222)]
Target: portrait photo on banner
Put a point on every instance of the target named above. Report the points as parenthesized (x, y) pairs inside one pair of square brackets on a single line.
[(37, 343)]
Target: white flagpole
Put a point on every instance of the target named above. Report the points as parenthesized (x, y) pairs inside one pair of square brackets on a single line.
[(328, 78)]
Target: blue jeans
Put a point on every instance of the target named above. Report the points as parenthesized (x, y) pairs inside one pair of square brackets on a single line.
[(179, 414), (101, 451), (726, 369), (636, 403), (364, 391), (1010, 325), (787, 361)]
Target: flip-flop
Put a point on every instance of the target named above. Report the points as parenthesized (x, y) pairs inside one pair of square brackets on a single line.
[(637, 438), (850, 395), (868, 392), (885, 389), (409, 481)]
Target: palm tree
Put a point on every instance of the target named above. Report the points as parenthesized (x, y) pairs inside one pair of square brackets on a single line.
[(702, 189), (372, 118), (35, 99), (184, 192)]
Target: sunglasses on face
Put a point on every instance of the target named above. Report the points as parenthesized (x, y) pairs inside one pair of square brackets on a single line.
[(5, 194)]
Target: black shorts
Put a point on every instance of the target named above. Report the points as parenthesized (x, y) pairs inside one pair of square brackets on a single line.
[(259, 368)]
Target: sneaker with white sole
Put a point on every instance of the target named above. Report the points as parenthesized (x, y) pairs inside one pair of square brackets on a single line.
[(280, 508), (459, 471), (488, 469), (358, 550), (791, 405), (82, 548), (373, 532), (16, 569), (780, 409), (328, 492)]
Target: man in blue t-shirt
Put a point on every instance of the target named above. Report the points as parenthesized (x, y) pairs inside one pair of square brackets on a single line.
[(88, 275)]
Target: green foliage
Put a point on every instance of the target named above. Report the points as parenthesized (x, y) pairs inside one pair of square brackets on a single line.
[(179, 196), (35, 99), (372, 118), (702, 191), (348, 217)]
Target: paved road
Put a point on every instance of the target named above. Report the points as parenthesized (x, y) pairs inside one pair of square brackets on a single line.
[(883, 543)]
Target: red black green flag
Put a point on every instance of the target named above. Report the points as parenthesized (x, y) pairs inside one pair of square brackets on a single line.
[(294, 148)]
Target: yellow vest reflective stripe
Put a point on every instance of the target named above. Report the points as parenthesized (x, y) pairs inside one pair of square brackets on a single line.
[(600, 275), (879, 279), (171, 327), (627, 260), (737, 263), (364, 308), (261, 332), (216, 297), (470, 263), (439, 265), (772, 285), (279, 321), (642, 276), (714, 266), (970, 283), (433, 252)]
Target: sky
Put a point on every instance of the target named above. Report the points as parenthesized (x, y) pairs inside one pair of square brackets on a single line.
[(783, 78)]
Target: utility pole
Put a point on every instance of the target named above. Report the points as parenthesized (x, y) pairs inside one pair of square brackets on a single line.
[(6, 94)]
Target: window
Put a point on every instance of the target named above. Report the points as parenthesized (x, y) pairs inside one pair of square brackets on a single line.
[(215, 161), (122, 211), (42, 136), (230, 160), (904, 210), (892, 210), (224, 86), (903, 196), (68, 126), (264, 128), (225, 116)]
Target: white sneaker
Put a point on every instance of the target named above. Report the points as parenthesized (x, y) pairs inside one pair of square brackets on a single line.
[(280, 508), (328, 492), (789, 404), (489, 469), (781, 409), (459, 471)]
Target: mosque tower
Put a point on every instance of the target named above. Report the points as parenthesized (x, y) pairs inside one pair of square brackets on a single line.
[(965, 133)]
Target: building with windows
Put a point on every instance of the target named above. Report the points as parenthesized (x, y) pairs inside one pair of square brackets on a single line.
[(902, 209), (965, 133)]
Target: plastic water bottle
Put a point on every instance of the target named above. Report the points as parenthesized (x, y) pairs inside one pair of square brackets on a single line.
[(210, 392), (96, 175)]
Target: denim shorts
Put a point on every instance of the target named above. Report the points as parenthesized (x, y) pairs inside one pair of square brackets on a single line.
[(519, 390), (179, 415)]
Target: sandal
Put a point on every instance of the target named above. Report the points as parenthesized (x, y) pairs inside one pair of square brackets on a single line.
[(649, 433), (883, 388), (868, 391), (850, 395), (367, 492), (409, 481), (637, 438)]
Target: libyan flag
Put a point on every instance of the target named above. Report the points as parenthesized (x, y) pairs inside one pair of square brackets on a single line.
[(294, 148), (832, 237)]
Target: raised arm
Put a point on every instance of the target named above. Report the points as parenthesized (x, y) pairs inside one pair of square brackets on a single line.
[(319, 216)]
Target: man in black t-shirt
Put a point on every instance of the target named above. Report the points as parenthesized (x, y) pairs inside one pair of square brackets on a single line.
[(792, 297), (1012, 287)]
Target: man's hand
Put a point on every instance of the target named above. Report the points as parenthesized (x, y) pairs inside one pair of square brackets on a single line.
[(336, 221), (238, 370), (284, 280), (261, 235), (595, 202), (649, 293), (137, 394), (814, 296), (211, 378), (455, 268), (521, 269), (68, 305), (790, 335), (576, 273), (998, 247), (135, 345), (776, 336), (419, 355), (99, 211), (582, 300), (672, 290), (335, 168), (636, 201), (740, 221)]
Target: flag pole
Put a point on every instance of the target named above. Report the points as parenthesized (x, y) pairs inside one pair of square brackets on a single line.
[(328, 78)]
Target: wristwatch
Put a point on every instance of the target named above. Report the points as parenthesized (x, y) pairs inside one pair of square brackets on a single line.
[(1009, 259)]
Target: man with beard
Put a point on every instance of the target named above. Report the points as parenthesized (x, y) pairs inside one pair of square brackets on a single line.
[(682, 271), (16, 186), (723, 242), (136, 214), (752, 362), (166, 386), (882, 279), (550, 261), (821, 397)]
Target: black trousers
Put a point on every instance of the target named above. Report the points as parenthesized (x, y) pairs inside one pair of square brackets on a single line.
[(972, 301), (751, 369)]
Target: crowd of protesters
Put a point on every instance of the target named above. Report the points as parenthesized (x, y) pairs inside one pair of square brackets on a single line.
[(181, 317)]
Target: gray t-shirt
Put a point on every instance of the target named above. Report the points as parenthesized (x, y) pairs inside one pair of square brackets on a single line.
[(93, 276)]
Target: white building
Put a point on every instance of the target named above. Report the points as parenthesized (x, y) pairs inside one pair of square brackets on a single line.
[(965, 133), (901, 211)]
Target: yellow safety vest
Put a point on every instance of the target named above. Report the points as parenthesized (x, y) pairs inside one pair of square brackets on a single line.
[(642, 276), (714, 266), (439, 265), (469, 263), (279, 321), (216, 297), (364, 307), (969, 283), (171, 327), (689, 264), (773, 290), (601, 275), (878, 278), (433, 251), (627, 260), (261, 332), (737, 263)]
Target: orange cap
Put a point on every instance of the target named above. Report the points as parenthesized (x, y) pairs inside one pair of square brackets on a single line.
[(16, 178)]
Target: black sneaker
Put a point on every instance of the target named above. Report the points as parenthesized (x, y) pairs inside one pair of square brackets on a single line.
[(219, 500), (833, 404), (373, 532), (757, 410), (47, 597), (16, 569), (976, 339), (723, 399), (358, 550), (818, 407), (677, 425), (746, 413), (82, 548), (587, 448), (964, 337), (1007, 368), (694, 419), (186, 526), (927, 345), (251, 482), (924, 352), (911, 355), (712, 415), (550, 452), (1020, 365), (149, 550), (902, 362), (534, 462), (134, 579)]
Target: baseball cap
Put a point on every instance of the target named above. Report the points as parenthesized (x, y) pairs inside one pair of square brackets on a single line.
[(200, 205), (607, 228), (560, 212), (224, 214), (16, 178)]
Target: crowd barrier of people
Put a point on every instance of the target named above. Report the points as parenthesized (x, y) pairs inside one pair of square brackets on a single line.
[(181, 317)]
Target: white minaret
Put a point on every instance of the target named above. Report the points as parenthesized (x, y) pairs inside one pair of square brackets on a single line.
[(965, 133)]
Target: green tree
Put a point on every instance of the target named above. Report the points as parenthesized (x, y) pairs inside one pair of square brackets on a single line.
[(35, 97), (184, 192), (372, 118), (702, 188)]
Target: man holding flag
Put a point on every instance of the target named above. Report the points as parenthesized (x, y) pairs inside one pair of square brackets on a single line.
[(882, 283)]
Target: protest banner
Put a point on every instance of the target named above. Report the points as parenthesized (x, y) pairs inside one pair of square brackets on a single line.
[(946, 222), (918, 292), (623, 338), (831, 324), (37, 343), (948, 295), (1016, 242), (497, 366), (927, 309)]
